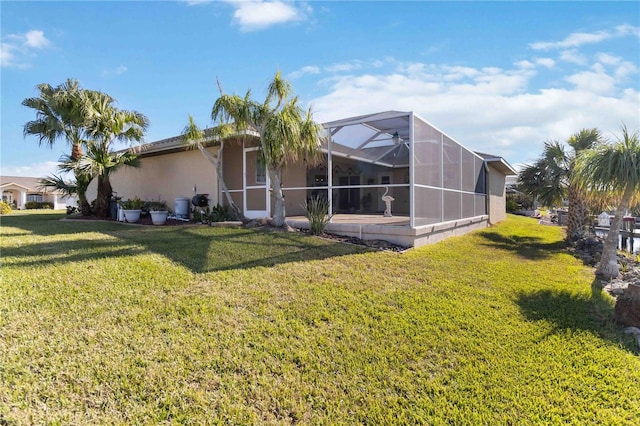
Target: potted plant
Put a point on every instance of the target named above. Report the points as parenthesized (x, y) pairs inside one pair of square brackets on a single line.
[(158, 211), (132, 209)]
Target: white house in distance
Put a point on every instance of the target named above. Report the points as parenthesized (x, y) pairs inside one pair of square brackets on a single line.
[(17, 191), (439, 188)]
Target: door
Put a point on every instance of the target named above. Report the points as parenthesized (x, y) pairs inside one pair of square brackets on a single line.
[(255, 195), (349, 198)]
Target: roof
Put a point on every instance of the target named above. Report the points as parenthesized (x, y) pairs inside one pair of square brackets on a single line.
[(31, 184), (498, 163), (176, 143)]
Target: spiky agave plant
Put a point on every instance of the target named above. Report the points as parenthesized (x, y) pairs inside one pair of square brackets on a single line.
[(316, 209)]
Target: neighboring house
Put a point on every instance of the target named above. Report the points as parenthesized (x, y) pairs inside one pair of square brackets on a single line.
[(17, 191), (439, 188)]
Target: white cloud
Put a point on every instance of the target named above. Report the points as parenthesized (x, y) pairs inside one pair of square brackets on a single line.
[(120, 69), (36, 39), (18, 48), (309, 69), (258, 15), (573, 56), (545, 62), (488, 109), (596, 81), (43, 169), (344, 67), (196, 2), (607, 59), (573, 40)]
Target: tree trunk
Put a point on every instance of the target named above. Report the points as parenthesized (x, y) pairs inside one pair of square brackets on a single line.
[(104, 196), (577, 214), (76, 151), (608, 267), (214, 159), (279, 215)]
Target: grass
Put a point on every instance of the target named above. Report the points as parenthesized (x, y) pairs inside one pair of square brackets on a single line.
[(104, 323)]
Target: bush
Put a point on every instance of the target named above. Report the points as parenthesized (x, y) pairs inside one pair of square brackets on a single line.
[(316, 209), (221, 213), (35, 205), (5, 208), (31, 205)]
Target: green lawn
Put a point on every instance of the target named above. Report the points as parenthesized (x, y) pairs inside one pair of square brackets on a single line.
[(104, 323)]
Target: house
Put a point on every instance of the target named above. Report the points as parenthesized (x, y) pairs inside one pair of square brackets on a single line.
[(17, 191), (439, 188)]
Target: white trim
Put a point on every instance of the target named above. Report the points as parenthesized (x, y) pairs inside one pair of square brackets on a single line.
[(254, 214)]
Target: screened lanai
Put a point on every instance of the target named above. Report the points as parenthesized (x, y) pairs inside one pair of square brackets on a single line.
[(430, 178)]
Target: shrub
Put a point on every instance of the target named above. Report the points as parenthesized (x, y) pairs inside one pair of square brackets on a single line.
[(46, 205), (512, 206), (221, 213), (316, 210), (5, 208), (72, 209), (31, 205)]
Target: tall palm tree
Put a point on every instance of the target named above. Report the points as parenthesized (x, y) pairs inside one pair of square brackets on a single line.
[(611, 171), (287, 133), (60, 114), (105, 125), (549, 178), (193, 136)]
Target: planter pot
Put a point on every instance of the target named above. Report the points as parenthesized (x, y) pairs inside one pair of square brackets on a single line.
[(159, 217), (132, 216)]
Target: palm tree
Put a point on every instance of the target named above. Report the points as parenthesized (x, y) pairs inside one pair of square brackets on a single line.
[(106, 124), (549, 178), (287, 133), (103, 163), (611, 171), (60, 114), (77, 187), (193, 136)]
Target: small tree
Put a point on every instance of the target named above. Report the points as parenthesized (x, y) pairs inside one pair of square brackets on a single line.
[(550, 178), (611, 171), (286, 132), (106, 124), (193, 136)]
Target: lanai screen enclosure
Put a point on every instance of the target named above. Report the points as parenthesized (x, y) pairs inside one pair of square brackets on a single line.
[(432, 178)]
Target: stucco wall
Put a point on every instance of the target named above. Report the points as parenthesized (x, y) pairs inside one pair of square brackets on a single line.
[(166, 177), (497, 196)]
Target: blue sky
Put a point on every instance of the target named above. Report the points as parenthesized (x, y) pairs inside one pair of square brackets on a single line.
[(499, 77)]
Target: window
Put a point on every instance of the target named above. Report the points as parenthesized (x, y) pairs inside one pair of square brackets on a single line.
[(34, 197), (261, 171)]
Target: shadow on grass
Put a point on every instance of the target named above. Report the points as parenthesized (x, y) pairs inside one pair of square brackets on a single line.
[(566, 311), (527, 247), (203, 249), (199, 248)]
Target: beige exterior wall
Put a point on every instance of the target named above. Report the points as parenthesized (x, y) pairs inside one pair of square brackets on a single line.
[(294, 176), (497, 195), (166, 177)]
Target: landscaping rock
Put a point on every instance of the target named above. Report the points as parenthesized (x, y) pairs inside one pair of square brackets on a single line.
[(627, 309), (589, 250)]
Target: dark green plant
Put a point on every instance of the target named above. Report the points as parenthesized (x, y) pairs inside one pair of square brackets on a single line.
[(221, 213), (316, 209), (156, 205), (38, 205)]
